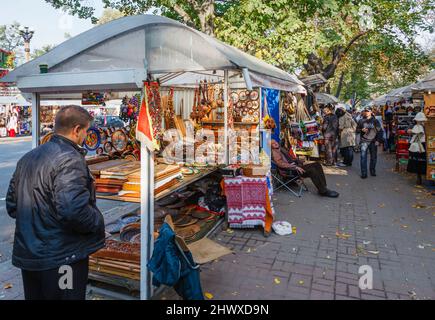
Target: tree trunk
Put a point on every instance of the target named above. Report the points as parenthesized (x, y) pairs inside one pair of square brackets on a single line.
[(340, 85), (206, 16)]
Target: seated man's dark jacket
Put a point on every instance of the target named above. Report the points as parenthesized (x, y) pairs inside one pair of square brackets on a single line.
[(52, 197)]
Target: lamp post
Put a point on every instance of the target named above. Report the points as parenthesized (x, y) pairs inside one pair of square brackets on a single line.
[(27, 34)]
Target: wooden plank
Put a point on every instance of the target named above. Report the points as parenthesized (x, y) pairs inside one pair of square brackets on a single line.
[(98, 167)]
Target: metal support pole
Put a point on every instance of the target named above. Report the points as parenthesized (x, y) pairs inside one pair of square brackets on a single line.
[(226, 103), (36, 126), (147, 221)]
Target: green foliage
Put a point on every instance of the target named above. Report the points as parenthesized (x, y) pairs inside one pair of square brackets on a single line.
[(39, 52), (331, 37), (10, 38)]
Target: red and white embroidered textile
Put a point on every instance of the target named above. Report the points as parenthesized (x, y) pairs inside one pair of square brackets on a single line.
[(246, 201)]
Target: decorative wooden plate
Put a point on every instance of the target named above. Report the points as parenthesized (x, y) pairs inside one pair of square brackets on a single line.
[(119, 140), (93, 139)]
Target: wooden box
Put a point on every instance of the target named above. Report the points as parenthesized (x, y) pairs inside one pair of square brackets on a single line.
[(255, 171)]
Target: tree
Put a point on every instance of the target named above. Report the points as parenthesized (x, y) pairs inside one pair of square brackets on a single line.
[(315, 36), (39, 52), (199, 14), (109, 15), (10, 38)]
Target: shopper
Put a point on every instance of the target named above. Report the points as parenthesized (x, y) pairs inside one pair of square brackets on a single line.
[(330, 134), (12, 125), (52, 197), (314, 170), (371, 135), (347, 129), (417, 149)]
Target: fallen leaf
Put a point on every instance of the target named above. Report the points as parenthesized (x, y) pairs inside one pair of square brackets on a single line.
[(419, 206), (294, 230), (230, 231), (208, 295), (382, 205), (301, 282), (249, 250), (419, 187), (404, 226), (373, 252), (8, 286), (277, 280), (342, 235)]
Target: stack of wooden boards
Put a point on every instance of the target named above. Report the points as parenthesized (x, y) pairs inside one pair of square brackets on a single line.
[(117, 258), (112, 179), (123, 177), (165, 176)]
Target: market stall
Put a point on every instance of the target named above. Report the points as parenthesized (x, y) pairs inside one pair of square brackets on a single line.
[(15, 105), (191, 84), (426, 89)]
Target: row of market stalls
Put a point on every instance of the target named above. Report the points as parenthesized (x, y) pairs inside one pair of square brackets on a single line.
[(399, 108), (202, 96)]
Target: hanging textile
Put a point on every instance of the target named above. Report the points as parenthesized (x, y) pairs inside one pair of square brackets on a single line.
[(144, 129), (155, 108), (272, 100)]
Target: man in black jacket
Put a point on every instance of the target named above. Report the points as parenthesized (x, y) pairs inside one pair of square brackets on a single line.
[(371, 133), (58, 225)]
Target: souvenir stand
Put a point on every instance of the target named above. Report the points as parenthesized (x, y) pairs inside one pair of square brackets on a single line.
[(183, 74), (21, 107), (426, 89), (404, 108)]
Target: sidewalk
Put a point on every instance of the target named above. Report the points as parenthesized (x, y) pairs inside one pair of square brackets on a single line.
[(16, 139), (378, 226), (385, 222)]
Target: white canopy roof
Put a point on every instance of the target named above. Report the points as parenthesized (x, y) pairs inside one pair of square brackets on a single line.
[(15, 100), (325, 98), (128, 48), (426, 84)]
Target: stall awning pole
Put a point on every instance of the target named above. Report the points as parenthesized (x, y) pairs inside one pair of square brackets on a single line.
[(36, 126), (226, 102), (147, 221)]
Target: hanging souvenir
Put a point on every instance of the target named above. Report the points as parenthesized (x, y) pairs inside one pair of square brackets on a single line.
[(119, 140), (235, 98), (154, 102), (124, 110), (93, 139), (253, 95), (243, 96)]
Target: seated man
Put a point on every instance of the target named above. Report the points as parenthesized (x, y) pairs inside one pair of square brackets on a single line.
[(312, 170)]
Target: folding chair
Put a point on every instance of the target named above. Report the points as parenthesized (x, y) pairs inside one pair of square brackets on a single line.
[(283, 178)]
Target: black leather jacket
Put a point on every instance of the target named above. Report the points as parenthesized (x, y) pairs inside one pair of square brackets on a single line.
[(52, 197)]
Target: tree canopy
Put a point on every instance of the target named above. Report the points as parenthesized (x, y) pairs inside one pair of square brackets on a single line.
[(376, 39)]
